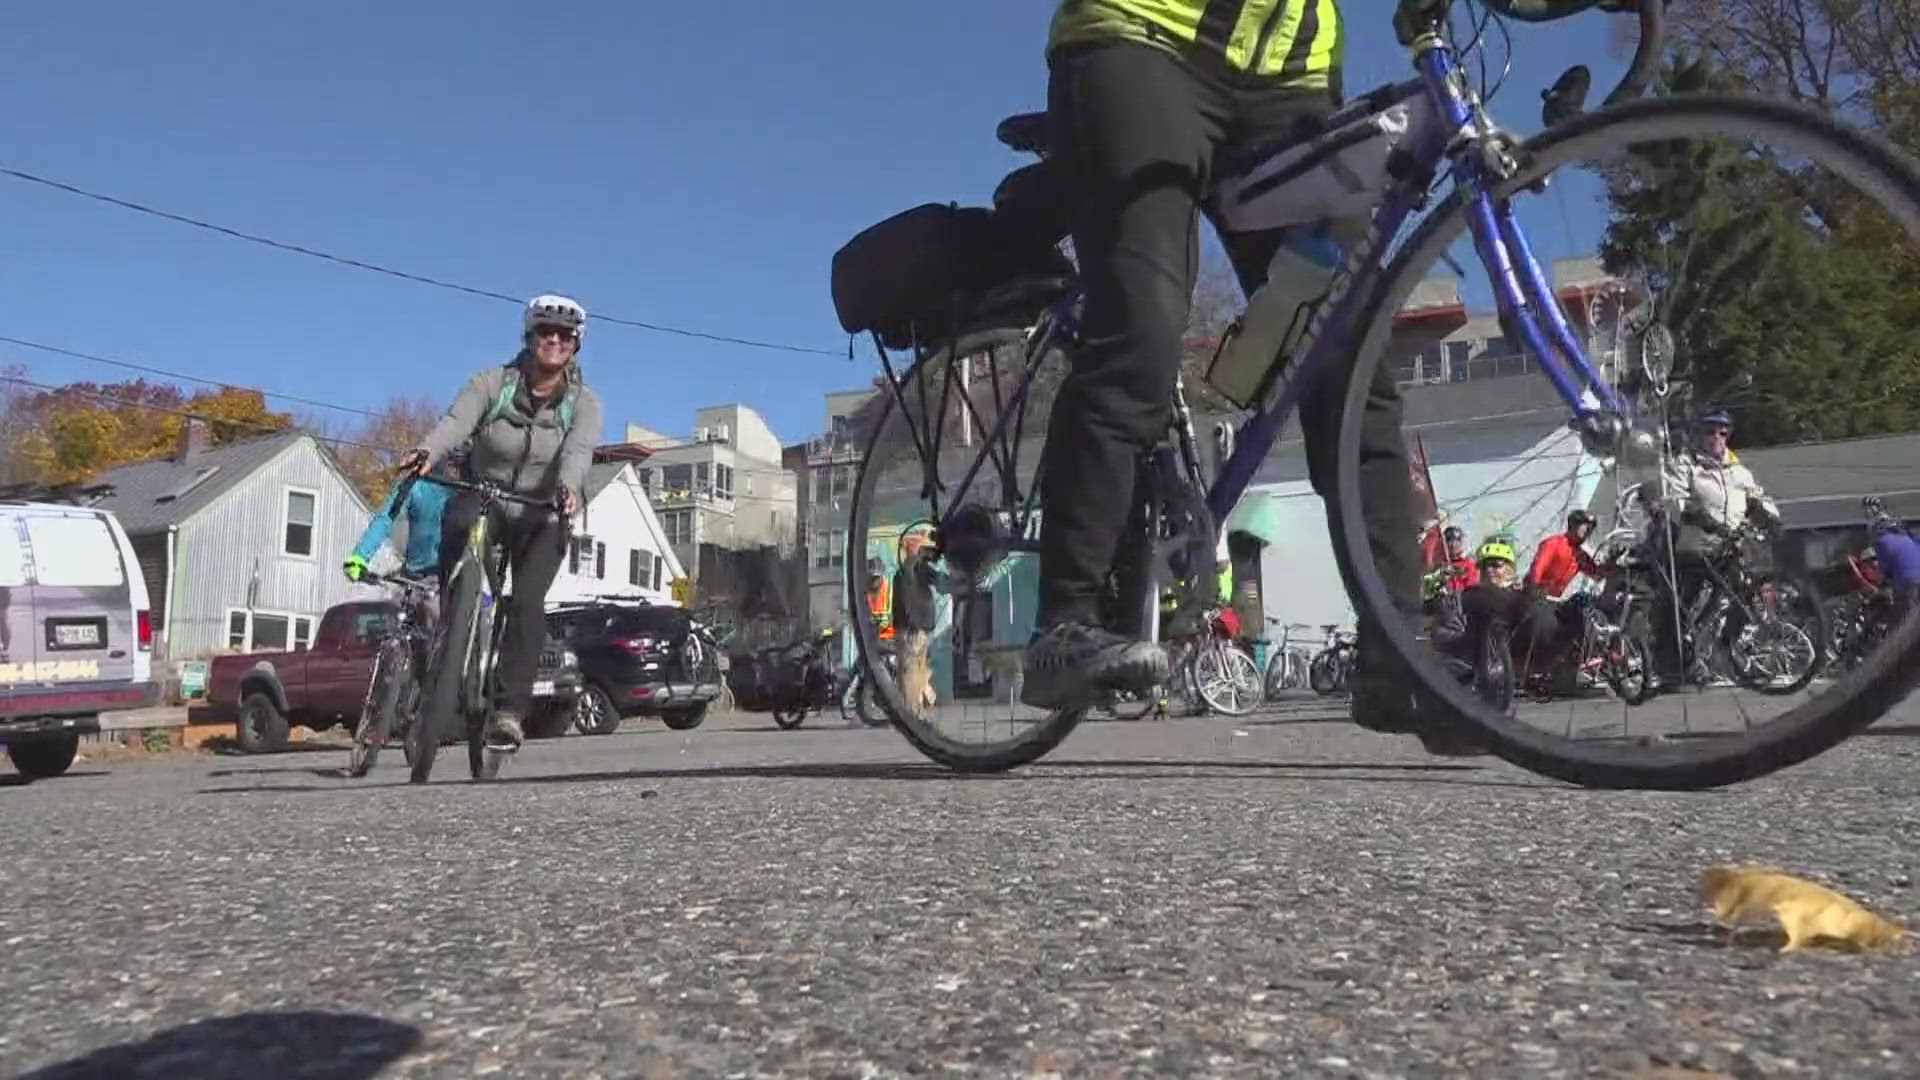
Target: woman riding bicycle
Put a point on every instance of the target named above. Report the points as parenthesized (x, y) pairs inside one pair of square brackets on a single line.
[(533, 423)]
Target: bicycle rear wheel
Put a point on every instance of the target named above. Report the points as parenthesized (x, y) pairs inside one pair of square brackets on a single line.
[(924, 436), (1713, 205)]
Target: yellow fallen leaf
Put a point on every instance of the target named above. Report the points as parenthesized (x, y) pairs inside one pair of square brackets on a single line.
[(1745, 896)]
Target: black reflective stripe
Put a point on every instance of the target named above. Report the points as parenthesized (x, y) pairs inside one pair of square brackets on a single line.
[(1309, 161), (1303, 42), (1217, 22), (1266, 33)]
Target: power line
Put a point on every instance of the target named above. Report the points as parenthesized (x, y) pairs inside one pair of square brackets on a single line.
[(358, 264), (130, 366)]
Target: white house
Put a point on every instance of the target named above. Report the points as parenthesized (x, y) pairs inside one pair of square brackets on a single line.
[(619, 549), (240, 544)]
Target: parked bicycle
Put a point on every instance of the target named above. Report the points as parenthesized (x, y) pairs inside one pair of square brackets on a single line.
[(393, 690), (990, 310), (1288, 661), (462, 683), (1328, 670)]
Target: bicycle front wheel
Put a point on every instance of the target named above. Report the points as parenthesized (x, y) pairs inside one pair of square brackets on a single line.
[(441, 706), (1747, 246), (392, 670)]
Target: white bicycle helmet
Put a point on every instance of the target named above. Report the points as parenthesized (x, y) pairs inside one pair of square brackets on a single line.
[(550, 310)]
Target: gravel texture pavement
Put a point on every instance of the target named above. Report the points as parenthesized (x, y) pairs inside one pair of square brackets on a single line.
[(1260, 897)]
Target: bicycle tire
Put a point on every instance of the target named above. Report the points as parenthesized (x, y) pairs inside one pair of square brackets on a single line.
[(1804, 731), (1816, 635), (483, 761), (1229, 658), (935, 744), (1320, 674), (392, 667), (442, 704)]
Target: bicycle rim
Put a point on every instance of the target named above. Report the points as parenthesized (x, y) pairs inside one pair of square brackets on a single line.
[(1669, 743), (979, 725)]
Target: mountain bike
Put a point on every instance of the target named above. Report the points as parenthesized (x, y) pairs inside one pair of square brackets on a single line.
[(462, 683), (989, 308), (393, 687)]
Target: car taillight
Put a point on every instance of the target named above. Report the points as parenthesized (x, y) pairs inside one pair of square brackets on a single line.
[(144, 622), (638, 646)]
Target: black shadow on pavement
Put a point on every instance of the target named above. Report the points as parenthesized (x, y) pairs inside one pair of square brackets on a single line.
[(310, 1045), (16, 780), (1894, 729), (1705, 935)]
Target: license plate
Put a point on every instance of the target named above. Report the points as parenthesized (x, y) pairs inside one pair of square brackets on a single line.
[(77, 634), (543, 688)]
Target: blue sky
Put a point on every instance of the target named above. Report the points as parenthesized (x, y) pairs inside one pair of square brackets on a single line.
[(687, 164)]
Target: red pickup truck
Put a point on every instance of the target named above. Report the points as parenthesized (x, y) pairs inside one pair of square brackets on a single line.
[(266, 693)]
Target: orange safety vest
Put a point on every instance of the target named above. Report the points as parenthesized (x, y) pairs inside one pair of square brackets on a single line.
[(880, 605)]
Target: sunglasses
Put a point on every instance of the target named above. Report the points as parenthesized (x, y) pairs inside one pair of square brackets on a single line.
[(564, 333)]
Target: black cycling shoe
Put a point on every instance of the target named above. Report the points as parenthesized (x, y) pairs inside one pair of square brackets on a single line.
[(1068, 665), (1385, 700)]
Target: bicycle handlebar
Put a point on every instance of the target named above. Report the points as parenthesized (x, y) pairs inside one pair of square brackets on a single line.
[(1567, 96), (488, 492)]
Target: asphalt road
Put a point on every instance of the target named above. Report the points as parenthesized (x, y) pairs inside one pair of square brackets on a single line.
[(1260, 897)]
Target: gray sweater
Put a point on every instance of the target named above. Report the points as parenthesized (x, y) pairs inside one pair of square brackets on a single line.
[(523, 450)]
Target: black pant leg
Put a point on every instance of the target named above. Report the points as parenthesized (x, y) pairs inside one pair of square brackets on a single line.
[(534, 557), (1135, 132)]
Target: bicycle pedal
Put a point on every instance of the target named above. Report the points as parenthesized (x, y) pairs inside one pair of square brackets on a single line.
[(503, 748)]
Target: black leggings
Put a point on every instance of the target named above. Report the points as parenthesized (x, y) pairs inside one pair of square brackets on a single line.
[(1138, 133), (533, 556)]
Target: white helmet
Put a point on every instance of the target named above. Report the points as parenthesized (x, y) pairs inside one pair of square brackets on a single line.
[(553, 310)]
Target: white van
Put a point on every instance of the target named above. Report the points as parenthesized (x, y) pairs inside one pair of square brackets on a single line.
[(76, 631)]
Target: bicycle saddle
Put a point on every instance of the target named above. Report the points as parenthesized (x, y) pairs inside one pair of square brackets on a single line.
[(1026, 133)]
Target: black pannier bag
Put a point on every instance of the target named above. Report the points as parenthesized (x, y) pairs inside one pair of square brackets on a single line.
[(908, 277)]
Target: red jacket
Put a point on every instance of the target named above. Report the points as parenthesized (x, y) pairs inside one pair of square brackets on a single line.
[(1556, 563)]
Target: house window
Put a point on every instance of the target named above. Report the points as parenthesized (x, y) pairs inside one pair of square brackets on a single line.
[(676, 478), (723, 481), (573, 555), (678, 525), (646, 480), (823, 484), (302, 506), (600, 560), (832, 550), (268, 631), (1457, 352), (702, 482), (842, 480), (1432, 358), (658, 570), (633, 566)]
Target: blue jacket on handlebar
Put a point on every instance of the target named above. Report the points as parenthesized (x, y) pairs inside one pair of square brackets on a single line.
[(426, 501)]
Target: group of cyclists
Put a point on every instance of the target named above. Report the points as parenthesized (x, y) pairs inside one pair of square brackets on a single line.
[(1144, 97)]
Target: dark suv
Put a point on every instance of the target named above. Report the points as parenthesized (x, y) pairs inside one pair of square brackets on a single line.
[(637, 659)]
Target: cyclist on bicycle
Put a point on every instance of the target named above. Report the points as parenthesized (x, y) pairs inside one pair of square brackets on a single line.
[(1558, 624), (1144, 96), (533, 423), (1716, 495), (426, 502), (1895, 549)]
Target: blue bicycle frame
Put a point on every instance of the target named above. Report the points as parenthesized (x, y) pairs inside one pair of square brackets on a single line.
[(1521, 289)]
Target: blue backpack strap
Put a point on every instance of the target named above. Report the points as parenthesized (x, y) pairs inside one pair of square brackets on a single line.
[(503, 400)]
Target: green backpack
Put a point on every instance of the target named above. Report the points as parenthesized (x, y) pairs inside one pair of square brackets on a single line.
[(504, 400)]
